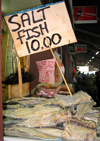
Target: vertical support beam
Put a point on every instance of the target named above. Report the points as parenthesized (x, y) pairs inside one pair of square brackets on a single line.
[(1, 117), (61, 53), (66, 63), (50, 1), (19, 77)]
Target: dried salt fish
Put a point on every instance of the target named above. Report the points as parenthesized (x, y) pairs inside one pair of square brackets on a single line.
[(92, 116), (33, 101), (25, 113), (15, 133), (27, 101), (79, 130), (35, 133), (13, 100), (79, 97), (51, 101), (16, 106), (85, 123), (32, 122), (93, 111), (84, 108), (48, 120), (97, 139), (98, 128), (99, 120), (34, 98), (51, 131), (8, 121), (8, 112)]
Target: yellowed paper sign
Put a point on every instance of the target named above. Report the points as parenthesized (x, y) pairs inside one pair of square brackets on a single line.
[(34, 28)]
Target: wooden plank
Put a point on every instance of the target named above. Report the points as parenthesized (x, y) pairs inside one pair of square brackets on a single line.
[(15, 90), (12, 91), (19, 78), (9, 91)]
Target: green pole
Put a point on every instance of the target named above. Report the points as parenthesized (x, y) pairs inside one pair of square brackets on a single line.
[(50, 1)]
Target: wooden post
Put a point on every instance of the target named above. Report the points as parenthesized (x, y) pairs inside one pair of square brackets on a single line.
[(19, 77), (9, 91)]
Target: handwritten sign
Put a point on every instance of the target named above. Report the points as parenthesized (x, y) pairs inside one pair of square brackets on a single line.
[(34, 28)]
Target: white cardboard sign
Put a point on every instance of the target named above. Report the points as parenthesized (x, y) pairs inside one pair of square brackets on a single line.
[(34, 28)]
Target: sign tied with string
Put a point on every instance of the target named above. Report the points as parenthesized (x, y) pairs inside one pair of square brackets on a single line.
[(29, 26)]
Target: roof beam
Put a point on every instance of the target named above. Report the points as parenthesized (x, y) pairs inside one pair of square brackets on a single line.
[(87, 32), (89, 43)]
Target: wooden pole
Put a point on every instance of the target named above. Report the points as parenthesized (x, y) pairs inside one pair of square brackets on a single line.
[(9, 91), (19, 77), (58, 65)]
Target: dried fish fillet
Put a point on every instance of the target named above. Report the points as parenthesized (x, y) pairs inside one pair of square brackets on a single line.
[(8, 112), (79, 130), (25, 113), (97, 139), (15, 133), (35, 133), (84, 108), (92, 117), (51, 131), (8, 121), (51, 101), (33, 101), (48, 120), (16, 106), (26, 101), (79, 97)]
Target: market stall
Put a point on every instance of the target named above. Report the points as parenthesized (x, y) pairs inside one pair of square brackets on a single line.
[(53, 111)]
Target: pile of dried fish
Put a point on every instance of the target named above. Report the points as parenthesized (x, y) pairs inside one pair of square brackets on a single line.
[(60, 118)]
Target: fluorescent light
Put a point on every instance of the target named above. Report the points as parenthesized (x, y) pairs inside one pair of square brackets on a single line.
[(97, 52), (93, 57), (89, 60)]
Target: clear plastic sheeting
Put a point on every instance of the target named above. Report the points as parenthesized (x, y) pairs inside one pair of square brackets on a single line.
[(17, 139), (24, 139)]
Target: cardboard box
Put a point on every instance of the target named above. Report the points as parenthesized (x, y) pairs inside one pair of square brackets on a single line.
[(12, 91)]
